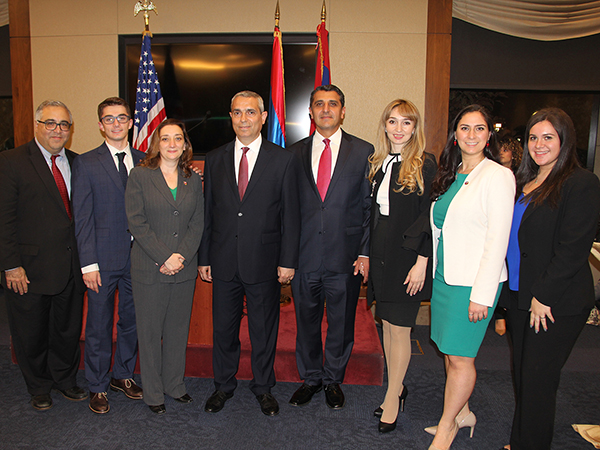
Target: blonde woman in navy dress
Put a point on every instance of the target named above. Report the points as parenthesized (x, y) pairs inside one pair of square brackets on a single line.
[(401, 173), (470, 218)]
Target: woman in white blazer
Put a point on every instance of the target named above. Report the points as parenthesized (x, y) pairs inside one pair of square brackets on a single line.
[(470, 219)]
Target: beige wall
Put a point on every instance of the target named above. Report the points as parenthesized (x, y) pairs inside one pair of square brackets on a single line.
[(377, 48)]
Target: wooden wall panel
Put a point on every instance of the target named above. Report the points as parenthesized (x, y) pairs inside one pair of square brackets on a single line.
[(20, 62), (437, 77)]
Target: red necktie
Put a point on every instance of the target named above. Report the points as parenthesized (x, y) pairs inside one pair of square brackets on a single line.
[(60, 183), (324, 173), (243, 173)]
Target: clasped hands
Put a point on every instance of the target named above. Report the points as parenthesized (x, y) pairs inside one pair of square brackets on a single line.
[(172, 265)]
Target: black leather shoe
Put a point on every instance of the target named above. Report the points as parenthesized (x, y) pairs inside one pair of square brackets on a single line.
[(41, 402), (387, 427), (75, 393), (379, 411), (304, 394), (185, 398), (216, 401), (334, 397), (268, 404), (158, 409)]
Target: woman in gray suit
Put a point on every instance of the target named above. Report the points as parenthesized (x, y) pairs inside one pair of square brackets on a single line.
[(165, 212)]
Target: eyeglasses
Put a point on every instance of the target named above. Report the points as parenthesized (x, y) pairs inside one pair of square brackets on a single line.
[(121, 118), (52, 124)]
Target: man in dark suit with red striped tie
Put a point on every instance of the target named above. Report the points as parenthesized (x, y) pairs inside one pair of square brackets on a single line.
[(249, 246), (335, 206), (40, 267)]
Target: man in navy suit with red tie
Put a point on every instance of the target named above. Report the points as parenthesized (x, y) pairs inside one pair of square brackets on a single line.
[(38, 258), (104, 242), (334, 246), (249, 246)]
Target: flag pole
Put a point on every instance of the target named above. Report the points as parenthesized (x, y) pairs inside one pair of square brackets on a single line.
[(149, 105), (276, 117), (146, 7), (323, 71)]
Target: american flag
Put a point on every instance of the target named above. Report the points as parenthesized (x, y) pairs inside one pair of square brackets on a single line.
[(149, 104)]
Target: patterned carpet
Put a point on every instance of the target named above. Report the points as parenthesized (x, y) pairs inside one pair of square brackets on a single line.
[(130, 424)]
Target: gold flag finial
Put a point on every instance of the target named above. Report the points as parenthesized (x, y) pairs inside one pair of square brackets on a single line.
[(146, 7), (277, 15), (323, 12)]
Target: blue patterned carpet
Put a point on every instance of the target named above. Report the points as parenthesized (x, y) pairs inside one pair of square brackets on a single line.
[(131, 425)]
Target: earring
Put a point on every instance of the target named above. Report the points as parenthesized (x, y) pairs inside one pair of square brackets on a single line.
[(488, 144), (455, 142)]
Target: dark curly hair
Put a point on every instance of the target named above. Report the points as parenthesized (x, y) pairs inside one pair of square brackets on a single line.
[(451, 157)]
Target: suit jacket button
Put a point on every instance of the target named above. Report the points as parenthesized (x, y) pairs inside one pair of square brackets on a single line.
[(175, 234), (240, 214), (524, 255), (175, 213)]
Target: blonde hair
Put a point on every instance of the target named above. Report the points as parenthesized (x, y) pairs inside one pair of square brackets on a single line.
[(410, 178)]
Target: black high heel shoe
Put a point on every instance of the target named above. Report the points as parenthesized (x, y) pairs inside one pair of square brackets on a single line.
[(387, 427), (379, 411)]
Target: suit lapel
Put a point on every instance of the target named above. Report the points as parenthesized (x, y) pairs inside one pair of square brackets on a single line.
[(107, 161), (306, 156), (261, 163), (45, 173), (161, 186), (135, 157), (342, 159), (182, 188), (229, 167)]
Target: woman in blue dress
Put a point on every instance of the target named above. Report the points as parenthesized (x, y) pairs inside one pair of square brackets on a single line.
[(470, 219)]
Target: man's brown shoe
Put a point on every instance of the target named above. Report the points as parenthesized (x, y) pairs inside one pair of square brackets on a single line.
[(128, 387), (99, 402)]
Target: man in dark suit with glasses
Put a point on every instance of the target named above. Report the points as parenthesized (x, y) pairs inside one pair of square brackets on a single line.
[(40, 267)]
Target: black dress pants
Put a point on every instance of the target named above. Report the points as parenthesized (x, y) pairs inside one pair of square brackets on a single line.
[(537, 361), (45, 332)]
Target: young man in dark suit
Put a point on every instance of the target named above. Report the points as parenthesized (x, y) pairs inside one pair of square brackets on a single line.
[(104, 243), (334, 245), (249, 247), (40, 268)]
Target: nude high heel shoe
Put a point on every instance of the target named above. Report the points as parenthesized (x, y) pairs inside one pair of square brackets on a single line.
[(469, 421), (455, 432)]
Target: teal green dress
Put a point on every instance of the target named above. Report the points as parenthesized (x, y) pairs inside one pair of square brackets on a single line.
[(451, 329)]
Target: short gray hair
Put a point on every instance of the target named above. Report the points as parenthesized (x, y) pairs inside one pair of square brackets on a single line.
[(46, 103), (250, 94)]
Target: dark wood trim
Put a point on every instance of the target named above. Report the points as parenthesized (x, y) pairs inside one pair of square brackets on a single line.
[(437, 73), (20, 63)]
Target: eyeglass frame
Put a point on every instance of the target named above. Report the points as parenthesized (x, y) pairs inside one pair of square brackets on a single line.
[(112, 119), (48, 123)]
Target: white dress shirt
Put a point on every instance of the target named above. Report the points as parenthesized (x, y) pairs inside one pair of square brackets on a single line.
[(318, 146), (61, 162), (128, 158), (251, 156), (383, 194)]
